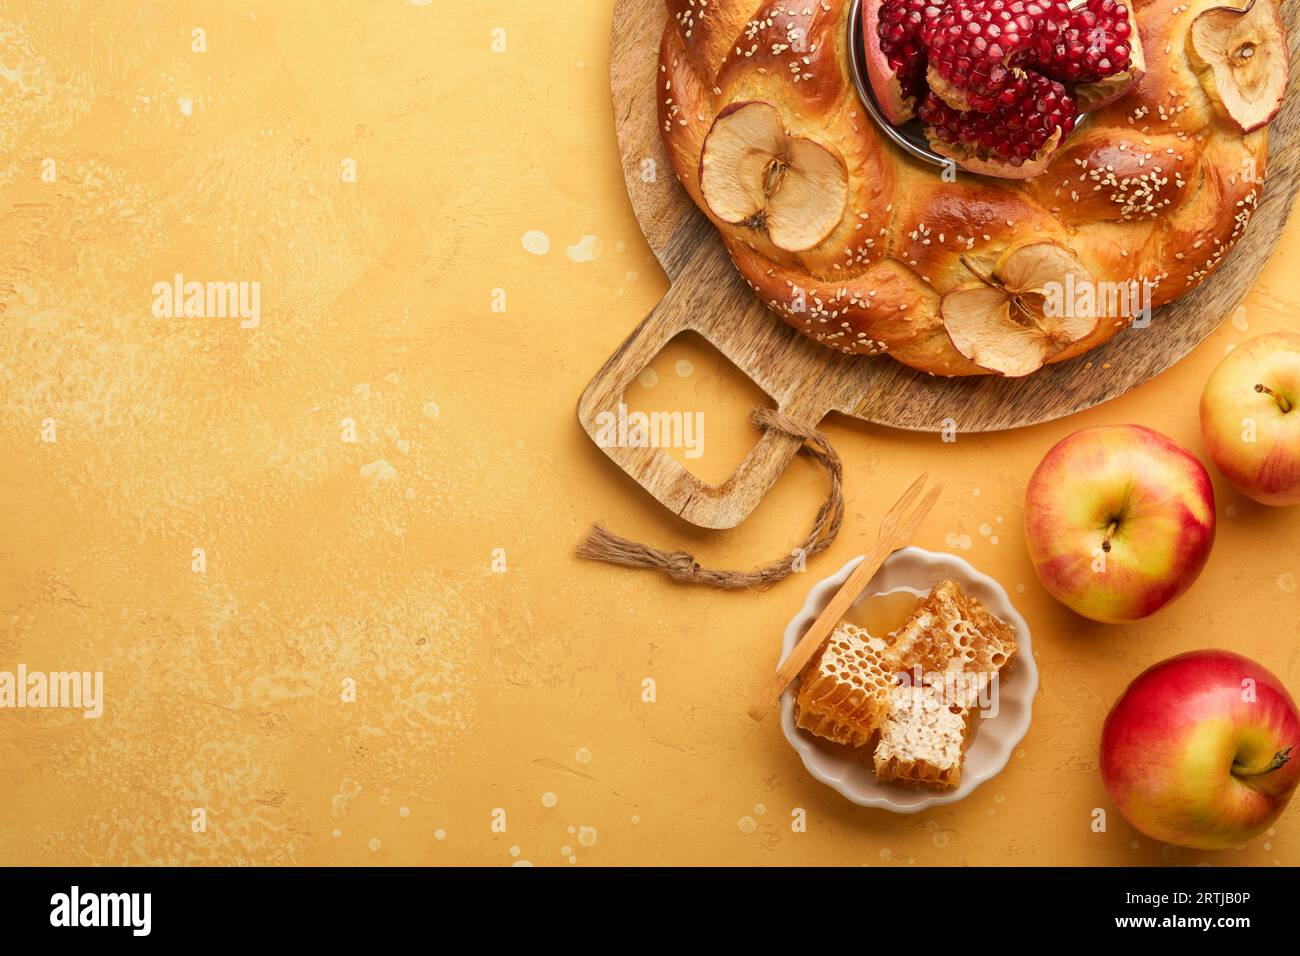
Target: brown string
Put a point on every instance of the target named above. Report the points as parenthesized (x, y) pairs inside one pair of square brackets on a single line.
[(602, 544)]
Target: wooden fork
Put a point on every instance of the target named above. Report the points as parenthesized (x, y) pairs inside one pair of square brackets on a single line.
[(896, 531)]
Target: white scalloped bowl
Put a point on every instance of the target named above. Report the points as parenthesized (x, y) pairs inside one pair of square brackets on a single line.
[(993, 739)]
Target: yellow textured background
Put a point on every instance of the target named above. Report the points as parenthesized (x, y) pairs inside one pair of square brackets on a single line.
[(476, 690)]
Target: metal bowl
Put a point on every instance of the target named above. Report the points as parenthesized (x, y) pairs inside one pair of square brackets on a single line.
[(910, 137)]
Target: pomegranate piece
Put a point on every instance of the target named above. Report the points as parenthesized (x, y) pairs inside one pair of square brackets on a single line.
[(1000, 83), (900, 40), (979, 51), (1095, 43), (1014, 141), (896, 53)]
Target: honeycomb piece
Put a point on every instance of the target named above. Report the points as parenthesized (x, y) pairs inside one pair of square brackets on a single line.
[(953, 631), (986, 642), (922, 740), (844, 691), (922, 642)]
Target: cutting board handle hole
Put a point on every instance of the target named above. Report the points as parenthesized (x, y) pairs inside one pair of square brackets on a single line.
[(696, 403)]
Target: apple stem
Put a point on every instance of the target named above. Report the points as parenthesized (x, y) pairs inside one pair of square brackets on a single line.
[(1282, 401), (1105, 542), (1279, 759)]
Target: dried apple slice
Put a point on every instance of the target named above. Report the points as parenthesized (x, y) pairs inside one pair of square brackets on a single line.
[(979, 323), (737, 154), (1240, 57), (1003, 322), (755, 174), (804, 209)]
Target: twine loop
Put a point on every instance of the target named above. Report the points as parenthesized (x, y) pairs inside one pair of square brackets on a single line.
[(601, 544)]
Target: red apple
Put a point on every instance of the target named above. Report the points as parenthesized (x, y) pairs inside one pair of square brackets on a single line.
[(1119, 521), (1250, 418), (1202, 750)]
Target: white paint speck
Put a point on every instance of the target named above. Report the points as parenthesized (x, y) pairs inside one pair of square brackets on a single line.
[(586, 249), (378, 471), (536, 242)]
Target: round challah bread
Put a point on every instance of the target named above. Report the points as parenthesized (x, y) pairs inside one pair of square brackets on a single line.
[(1153, 189)]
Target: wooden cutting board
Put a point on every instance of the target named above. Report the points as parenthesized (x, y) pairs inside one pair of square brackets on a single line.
[(807, 380)]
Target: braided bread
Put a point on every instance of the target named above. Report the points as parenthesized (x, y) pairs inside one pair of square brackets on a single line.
[(1154, 188)]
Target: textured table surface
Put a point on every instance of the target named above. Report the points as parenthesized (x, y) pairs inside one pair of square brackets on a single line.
[(484, 698)]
